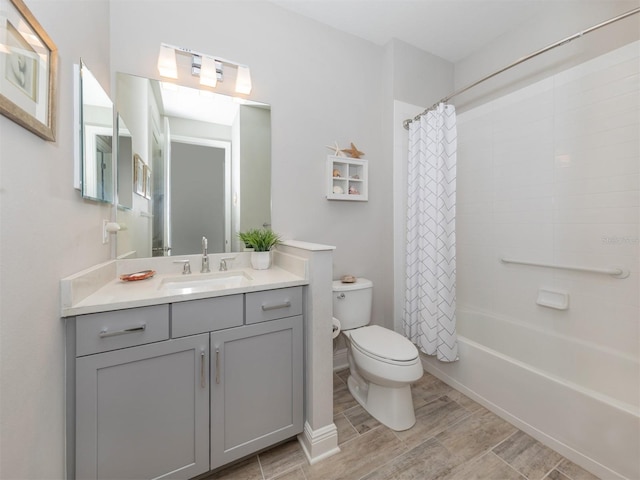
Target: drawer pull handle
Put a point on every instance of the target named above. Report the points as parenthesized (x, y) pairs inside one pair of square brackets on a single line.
[(276, 306), (203, 383), (217, 365), (104, 333)]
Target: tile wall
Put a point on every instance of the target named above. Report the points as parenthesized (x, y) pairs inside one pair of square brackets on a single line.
[(550, 173)]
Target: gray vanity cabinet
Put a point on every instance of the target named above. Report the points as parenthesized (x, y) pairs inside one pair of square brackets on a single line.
[(256, 387), (141, 412), (174, 390)]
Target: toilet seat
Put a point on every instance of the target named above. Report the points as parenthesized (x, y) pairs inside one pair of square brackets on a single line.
[(384, 345)]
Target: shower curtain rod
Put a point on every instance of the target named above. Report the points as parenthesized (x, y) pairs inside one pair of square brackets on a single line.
[(406, 122)]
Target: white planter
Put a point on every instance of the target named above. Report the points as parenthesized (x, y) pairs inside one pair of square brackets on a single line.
[(260, 260)]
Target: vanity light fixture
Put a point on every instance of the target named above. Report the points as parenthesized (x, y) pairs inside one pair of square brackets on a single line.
[(167, 62), (208, 68), (243, 80), (209, 71)]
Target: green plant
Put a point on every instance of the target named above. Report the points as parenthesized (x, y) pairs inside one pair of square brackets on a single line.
[(260, 239)]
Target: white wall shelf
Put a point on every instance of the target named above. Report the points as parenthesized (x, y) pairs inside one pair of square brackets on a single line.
[(347, 178)]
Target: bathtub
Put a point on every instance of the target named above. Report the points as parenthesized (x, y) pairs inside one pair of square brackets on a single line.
[(580, 400)]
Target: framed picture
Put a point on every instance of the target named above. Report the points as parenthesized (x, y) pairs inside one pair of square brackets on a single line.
[(28, 70), (147, 182), (138, 175)]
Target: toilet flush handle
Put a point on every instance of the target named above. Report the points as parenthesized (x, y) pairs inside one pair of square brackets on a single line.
[(341, 296)]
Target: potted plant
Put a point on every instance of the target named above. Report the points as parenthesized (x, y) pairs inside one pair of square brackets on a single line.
[(261, 240)]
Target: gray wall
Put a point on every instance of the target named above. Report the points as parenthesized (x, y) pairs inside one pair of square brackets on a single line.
[(46, 233), (322, 85)]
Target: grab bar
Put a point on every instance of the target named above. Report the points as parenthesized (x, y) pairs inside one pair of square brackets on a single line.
[(614, 271)]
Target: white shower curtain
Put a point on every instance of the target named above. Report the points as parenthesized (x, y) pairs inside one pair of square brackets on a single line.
[(429, 315)]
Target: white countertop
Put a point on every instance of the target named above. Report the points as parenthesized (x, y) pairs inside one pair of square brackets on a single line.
[(99, 289)]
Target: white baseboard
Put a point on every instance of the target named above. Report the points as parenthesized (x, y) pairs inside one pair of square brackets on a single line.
[(340, 361), (319, 444)]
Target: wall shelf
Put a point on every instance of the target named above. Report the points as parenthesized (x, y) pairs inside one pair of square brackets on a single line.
[(345, 175)]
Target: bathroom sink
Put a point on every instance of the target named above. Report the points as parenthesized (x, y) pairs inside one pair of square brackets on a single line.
[(204, 282)]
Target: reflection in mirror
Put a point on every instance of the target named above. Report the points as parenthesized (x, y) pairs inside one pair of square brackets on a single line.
[(96, 138), (125, 166), (208, 163)]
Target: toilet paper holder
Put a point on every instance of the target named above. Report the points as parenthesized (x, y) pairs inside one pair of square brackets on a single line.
[(336, 328)]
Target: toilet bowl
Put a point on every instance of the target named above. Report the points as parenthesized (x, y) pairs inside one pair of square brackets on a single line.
[(382, 363)]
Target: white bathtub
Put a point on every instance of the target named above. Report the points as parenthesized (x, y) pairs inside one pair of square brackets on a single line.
[(578, 399)]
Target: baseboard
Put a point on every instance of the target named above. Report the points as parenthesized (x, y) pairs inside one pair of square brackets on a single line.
[(340, 361), (319, 444)]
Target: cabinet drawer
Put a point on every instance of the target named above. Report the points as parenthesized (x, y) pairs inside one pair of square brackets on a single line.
[(206, 315), (272, 304), (101, 332)]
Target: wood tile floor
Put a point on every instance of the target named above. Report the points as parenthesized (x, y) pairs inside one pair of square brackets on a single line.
[(454, 438)]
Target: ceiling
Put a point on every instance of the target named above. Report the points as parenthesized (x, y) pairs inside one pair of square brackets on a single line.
[(451, 29)]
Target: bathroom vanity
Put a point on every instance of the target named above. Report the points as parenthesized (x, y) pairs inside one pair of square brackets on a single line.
[(165, 382)]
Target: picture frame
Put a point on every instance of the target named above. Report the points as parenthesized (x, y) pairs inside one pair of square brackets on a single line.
[(28, 70), (147, 182), (138, 175)]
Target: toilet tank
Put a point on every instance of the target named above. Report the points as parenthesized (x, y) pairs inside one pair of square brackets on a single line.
[(352, 303)]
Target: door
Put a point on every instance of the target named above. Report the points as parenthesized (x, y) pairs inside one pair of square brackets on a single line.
[(198, 193), (256, 387), (142, 412)]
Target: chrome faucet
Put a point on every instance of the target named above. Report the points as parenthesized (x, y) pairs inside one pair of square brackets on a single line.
[(223, 263), (186, 266), (205, 257)]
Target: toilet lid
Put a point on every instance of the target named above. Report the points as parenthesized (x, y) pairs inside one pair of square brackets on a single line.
[(384, 343)]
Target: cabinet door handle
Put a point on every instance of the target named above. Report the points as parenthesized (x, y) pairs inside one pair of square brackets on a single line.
[(104, 333), (217, 365), (276, 306), (203, 381)]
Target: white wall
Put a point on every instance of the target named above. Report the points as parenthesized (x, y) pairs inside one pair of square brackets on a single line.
[(46, 232), (537, 33)]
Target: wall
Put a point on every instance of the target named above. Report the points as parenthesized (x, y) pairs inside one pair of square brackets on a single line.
[(322, 85), (563, 20), (46, 233), (255, 167), (416, 81)]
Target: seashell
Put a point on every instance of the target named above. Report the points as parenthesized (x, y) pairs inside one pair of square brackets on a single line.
[(336, 172), (337, 189)]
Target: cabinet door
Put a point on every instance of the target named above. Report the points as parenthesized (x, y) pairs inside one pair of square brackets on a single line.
[(143, 412), (256, 387)]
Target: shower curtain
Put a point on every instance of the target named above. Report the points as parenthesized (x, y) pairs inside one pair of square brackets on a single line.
[(429, 315)]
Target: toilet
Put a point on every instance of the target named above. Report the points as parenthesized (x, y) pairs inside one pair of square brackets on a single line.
[(382, 363)]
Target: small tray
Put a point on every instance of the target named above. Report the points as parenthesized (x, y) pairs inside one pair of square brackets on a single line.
[(133, 277)]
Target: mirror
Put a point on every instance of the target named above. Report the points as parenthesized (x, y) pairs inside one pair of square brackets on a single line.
[(124, 163), (200, 165), (95, 144)]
